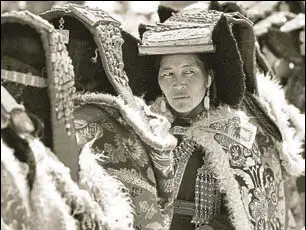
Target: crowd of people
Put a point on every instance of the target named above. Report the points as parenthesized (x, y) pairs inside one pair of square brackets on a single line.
[(192, 119)]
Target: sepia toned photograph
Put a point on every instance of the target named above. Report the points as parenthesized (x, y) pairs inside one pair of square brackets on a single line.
[(153, 115)]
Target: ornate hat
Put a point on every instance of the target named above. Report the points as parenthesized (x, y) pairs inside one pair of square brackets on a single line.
[(95, 43), (104, 56), (217, 35), (37, 71)]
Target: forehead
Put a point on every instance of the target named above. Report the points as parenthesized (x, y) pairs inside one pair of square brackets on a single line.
[(179, 59)]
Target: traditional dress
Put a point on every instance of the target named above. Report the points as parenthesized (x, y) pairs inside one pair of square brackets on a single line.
[(232, 160)]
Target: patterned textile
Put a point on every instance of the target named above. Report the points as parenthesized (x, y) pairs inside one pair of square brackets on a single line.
[(251, 167), (143, 170)]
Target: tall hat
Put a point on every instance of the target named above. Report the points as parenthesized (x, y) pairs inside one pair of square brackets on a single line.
[(94, 42), (104, 56), (219, 35), (37, 71)]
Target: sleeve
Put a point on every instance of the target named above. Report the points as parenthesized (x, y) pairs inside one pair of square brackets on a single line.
[(163, 166), (146, 173)]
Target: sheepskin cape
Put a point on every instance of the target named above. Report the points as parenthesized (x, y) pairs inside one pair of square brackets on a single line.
[(135, 148)]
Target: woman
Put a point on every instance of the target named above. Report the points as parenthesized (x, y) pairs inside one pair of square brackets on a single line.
[(229, 168)]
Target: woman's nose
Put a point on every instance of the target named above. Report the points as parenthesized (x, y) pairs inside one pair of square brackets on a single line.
[(180, 82)]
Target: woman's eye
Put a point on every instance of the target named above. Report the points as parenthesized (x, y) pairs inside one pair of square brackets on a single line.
[(166, 75), (189, 72)]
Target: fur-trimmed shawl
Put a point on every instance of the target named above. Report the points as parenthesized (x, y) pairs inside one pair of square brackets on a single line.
[(41, 208), (289, 120), (55, 201), (108, 192), (150, 127)]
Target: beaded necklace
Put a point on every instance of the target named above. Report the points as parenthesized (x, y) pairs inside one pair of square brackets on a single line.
[(207, 197), (207, 194), (184, 151)]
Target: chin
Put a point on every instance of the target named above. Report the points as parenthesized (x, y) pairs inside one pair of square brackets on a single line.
[(182, 108)]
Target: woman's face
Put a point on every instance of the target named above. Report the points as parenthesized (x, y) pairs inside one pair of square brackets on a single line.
[(183, 79)]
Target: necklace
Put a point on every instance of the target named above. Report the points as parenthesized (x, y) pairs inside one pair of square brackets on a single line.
[(198, 117), (207, 197), (184, 150)]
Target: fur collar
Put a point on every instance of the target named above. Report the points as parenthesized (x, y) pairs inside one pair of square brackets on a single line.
[(273, 99), (152, 128)]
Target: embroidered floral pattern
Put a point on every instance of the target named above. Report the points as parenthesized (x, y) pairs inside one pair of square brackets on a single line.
[(237, 158), (232, 126), (132, 177), (259, 167), (167, 185), (90, 130), (138, 167), (135, 191), (258, 206), (240, 156), (125, 148)]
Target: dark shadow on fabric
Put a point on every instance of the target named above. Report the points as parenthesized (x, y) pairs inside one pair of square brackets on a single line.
[(89, 76), (22, 51)]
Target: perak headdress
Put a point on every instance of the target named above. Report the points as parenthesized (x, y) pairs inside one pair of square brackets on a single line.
[(220, 36), (37, 71)]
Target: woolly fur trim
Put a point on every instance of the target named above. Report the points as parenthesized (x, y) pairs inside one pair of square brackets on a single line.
[(17, 171), (273, 98), (150, 127), (107, 191), (219, 163), (50, 209)]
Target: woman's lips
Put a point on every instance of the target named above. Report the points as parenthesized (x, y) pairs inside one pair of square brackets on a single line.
[(180, 97)]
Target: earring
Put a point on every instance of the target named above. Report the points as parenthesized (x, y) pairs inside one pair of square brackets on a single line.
[(95, 58), (209, 81), (207, 99)]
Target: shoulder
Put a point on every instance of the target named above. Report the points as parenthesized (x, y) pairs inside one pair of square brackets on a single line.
[(226, 121), (91, 113)]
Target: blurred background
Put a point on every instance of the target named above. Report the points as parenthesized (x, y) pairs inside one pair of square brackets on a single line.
[(284, 49), (130, 13)]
